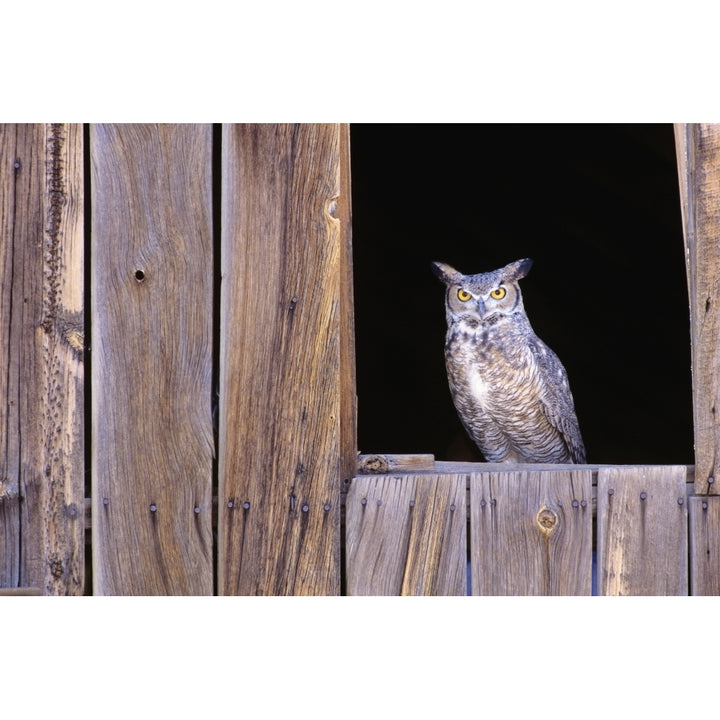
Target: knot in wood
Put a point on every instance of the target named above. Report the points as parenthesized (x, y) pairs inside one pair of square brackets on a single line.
[(546, 519), (56, 568), (374, 464)]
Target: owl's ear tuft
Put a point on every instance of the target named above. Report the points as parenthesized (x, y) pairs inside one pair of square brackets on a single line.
[(519, 269), (446, 273)]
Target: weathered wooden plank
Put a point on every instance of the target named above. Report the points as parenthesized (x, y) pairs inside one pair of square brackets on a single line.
[(698, 152), (531, 533), (406, 535), (346, 310), (42, 485), (383, 464), (642, 531), (704, 534), (282, 450), (21, 591), (152, 275)]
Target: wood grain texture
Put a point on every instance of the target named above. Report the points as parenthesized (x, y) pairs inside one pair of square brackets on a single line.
[(531, 533), (152, 289), (406, 535), (283, 369), (642, 531), (698, 153), (42, 377), (346, 310), (704, 517), (396, 463)]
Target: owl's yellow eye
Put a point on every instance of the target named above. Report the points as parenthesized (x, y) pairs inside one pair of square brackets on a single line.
[(463, 295), (498, 293)]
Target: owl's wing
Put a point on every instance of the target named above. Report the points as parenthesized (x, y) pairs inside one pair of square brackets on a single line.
[(557, 402)]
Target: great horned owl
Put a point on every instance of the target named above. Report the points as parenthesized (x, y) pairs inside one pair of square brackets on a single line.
[(509, 388)]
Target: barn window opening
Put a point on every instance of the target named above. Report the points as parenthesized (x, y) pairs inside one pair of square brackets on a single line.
[(596, 207)]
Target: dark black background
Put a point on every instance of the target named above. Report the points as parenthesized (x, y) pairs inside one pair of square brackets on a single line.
[(595, 206)]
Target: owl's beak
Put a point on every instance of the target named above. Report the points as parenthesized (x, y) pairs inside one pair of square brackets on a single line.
[(481, 308)]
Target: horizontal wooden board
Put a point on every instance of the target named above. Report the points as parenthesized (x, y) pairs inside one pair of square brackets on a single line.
[(642, 531), (531, 533), (380, 464), (406, 535)]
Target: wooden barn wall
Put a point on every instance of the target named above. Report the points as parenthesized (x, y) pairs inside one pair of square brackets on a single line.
[(221, 404), (173, 266)]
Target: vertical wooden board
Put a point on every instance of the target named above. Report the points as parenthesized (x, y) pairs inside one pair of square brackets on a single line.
[(704, 519), (531, 533), (698, 152), (348, 397), (20, 213), (281, 360), (642, 544), (406, 535), (41, 385), (152, 276)]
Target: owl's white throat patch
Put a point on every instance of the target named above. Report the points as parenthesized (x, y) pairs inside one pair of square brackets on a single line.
[(479, 387)]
